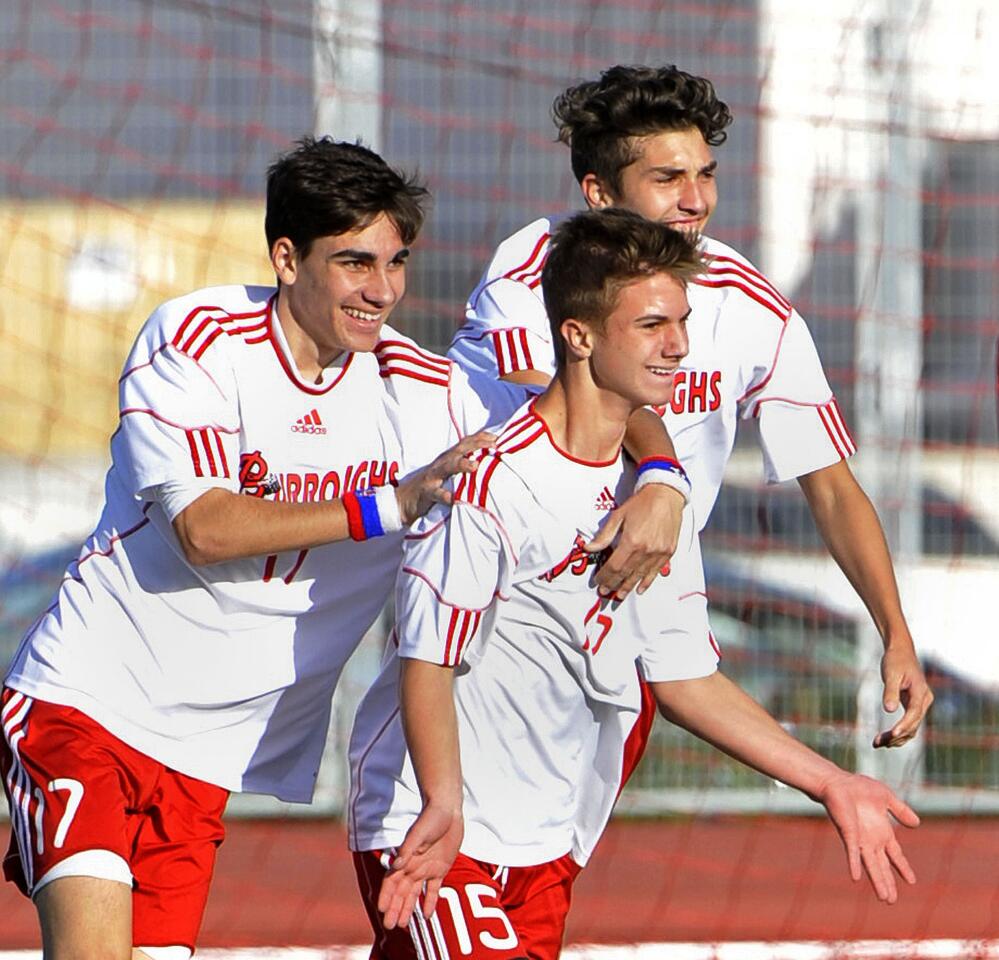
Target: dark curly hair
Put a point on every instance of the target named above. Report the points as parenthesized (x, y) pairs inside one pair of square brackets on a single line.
[(325, 187), (595, 253), (599, 119)]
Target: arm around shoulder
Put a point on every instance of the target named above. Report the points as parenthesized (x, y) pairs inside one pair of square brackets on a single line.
[(221, 525), (647, 525)]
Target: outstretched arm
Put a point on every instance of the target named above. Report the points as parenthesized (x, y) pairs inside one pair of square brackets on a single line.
[(852, 532), (221, 525), (432, 843), (718, 711)]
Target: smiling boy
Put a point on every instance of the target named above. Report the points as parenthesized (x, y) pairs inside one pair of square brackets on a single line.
[(642, 139), (487, 757), (272, 444)]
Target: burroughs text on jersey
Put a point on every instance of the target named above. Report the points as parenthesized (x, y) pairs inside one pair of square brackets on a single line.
[(256, 480)]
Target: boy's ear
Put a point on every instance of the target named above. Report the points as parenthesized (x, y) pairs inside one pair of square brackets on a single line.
[(578, 337), (284, 260), (596, 193)]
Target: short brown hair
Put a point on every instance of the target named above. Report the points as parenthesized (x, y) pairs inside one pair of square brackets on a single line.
[(600, 119), (595, 253), (324, 187)]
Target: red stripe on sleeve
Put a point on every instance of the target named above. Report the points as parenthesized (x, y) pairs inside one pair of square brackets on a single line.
[(209, 340), (834, 404), (755, 277), (525, 266), (182, 329), (452, 623), (501, 361), (473, 626), (777, 311), (825, 418), (221, 450), (206, 441), (528, 361), (840, 431), (195, 459)]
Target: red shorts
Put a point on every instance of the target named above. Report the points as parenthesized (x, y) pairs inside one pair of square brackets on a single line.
[(484, 912), (76, 791)]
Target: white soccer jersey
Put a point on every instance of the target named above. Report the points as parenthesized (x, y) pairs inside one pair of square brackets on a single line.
[(546, 687), (225, 672), (751, 356)]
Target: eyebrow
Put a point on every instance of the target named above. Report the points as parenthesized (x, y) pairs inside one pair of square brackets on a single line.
[(707, 168), (366, 256), (661, 317)]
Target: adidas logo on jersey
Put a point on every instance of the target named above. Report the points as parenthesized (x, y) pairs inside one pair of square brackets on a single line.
[(606, 500), (310, 423)]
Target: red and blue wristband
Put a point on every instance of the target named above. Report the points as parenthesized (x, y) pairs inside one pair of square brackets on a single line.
[(664, 470), (372, 512)]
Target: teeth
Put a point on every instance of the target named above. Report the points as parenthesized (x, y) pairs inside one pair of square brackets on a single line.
[(661, 370), (360, 314)]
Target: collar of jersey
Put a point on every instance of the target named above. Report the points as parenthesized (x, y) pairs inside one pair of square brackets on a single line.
[(283, 352), (565, 453)]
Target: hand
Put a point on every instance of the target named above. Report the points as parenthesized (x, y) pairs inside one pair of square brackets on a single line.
[(422, 489), (905, 685), (424, 858), (649, 524), (858, 807)]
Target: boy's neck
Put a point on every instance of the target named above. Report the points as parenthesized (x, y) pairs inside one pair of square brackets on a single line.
[(585, 421)]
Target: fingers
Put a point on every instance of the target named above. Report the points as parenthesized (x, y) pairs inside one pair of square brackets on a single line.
[(606, 534), (430, 898), (627, 567), (899, 861), (890, 700), (905, 685), (902, 812), (476, 441), (853, 858), (650, 579), (397, 899), (880, 874), (619, 591), (907, 727)]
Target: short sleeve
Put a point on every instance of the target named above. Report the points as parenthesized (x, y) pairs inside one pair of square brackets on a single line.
[(801, 426), (483, 403), (179, 420), (507, 319), (456, 561), (676, 638)]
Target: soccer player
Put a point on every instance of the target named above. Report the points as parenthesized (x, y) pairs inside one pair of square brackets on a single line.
[(640, 138), (517, 680), (272, 444)]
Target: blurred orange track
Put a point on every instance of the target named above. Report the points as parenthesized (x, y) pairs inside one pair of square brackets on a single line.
[(290, 882)]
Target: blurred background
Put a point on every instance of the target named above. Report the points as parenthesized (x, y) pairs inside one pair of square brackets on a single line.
[(861, 175)]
